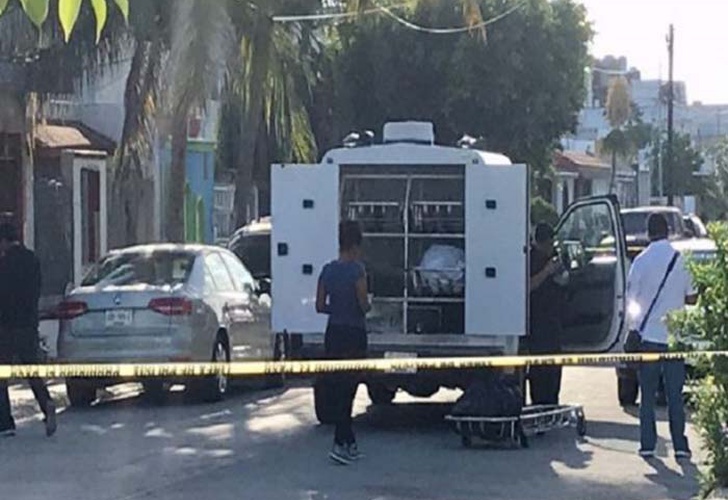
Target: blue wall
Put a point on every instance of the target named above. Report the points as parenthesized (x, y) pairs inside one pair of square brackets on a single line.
[(200, 177)]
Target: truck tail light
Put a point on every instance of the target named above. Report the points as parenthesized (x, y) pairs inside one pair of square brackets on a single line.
[(171, 306), (70, 309)]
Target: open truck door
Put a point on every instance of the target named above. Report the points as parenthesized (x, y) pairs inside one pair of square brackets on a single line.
[(591, 244), (304, 237)]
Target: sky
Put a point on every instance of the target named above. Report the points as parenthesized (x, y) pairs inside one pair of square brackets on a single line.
[(637, 29)]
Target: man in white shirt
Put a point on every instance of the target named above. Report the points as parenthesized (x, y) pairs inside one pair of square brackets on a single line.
[(648, 272)]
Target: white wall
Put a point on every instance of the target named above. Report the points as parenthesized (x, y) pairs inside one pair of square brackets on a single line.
[(600, 186)]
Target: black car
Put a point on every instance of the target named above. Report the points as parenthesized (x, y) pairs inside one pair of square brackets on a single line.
[(251, 244)]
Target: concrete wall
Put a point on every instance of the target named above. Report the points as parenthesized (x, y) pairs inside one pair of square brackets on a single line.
[(13, 121)]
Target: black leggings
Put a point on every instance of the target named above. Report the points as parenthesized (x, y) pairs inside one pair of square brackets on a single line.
[(343, 342)]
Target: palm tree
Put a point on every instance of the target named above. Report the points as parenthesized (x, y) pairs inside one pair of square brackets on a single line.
[(201, 36), (619, 109), (269, 80), (272, 78)]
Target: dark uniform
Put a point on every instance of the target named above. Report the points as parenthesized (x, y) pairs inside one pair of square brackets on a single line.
[(545, 332), (19, 340)]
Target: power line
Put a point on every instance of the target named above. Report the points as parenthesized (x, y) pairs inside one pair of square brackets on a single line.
[(388, 11), (450, 31), (331, 16)]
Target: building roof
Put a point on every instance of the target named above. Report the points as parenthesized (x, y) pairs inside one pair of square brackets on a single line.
[(56, 137), (575, 161)]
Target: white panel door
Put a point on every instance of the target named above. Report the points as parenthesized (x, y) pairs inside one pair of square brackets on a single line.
[(496, 244), (305, 218)]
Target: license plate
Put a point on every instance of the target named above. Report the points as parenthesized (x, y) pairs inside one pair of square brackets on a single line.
[(119, 317), (401, 355)]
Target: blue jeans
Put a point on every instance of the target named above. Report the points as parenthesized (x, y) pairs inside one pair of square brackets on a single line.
[(673, 373)]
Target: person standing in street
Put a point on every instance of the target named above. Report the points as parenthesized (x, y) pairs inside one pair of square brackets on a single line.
[(20, 281), (342, 294), (659, 283), (547, 298)]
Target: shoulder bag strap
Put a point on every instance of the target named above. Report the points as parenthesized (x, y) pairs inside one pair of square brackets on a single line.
[(659, 291)]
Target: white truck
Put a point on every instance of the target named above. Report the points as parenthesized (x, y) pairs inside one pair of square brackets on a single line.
[(446, 247)]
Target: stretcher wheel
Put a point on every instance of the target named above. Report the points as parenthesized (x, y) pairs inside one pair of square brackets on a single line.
[(466, 441), (521, 437), (581, 425)]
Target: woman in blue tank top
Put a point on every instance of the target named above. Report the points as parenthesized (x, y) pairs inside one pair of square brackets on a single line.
[(342, 294)]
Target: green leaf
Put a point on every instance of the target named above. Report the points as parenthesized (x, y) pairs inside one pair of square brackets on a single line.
[(101, 12), (123, 7), (3, 5), (37, 10), (68, 11)]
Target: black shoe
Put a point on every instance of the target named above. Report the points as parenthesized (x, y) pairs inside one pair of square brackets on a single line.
[(50, 419), (340, 455), (7, 432)]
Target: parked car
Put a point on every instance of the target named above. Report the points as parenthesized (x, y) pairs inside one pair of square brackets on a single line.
[(695, 225), (634, 222), (160, 303), (251, 244)]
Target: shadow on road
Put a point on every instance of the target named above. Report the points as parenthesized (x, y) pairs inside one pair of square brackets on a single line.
[(265, 445)]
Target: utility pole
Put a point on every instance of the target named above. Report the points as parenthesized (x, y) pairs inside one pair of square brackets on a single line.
[(670, 170)]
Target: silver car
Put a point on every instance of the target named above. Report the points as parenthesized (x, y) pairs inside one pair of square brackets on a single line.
[(164, 302)]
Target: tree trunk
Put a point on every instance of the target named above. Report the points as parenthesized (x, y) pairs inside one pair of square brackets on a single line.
[(175, 227), (135, 149), (613, 180), (253, 114)]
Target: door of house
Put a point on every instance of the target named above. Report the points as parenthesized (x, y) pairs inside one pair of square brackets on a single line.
[(89, 213)]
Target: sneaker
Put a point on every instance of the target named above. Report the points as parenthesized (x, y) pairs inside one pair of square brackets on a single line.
[(647, 453), (354, 452), (340, 455), (50, 419), (683, 455), (9, 432)]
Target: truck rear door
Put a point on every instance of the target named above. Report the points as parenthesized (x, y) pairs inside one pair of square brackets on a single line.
[(496, 216), (304, 236), (592, 245)]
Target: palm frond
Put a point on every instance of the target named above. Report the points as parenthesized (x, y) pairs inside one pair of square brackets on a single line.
[(201, 36), (44, 50)]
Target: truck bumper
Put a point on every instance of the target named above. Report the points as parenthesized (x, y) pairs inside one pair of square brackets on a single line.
[(417, 383)]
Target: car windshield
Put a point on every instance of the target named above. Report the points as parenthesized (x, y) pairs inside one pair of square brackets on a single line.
[(141, 268), (635, 223), (254, 251)]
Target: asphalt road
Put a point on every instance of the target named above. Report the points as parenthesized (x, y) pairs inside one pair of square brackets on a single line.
[(265, 445)]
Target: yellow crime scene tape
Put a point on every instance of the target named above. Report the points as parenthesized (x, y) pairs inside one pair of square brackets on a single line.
[(253, 368)]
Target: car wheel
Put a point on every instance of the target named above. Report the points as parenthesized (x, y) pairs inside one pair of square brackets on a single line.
[(214, 388), (155, 391), (380, 394), (322, 401), (80, 394), (627, 390)]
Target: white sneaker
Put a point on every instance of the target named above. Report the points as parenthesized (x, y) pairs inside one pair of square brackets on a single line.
[(681, 454), (647, 453)]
